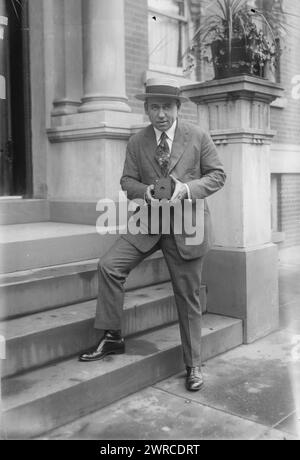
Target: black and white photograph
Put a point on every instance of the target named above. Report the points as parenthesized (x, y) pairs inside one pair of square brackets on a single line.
[(150, 223)]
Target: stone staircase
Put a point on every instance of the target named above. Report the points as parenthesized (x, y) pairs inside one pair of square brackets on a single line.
[(48, 287)]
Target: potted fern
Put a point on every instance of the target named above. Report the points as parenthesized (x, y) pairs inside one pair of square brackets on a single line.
[(238, 38)]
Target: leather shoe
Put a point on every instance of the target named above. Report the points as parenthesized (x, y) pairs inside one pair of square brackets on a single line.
[(194, 379), (110, 344)]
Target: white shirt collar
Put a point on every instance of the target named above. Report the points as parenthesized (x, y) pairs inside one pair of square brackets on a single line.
[(170, 132)]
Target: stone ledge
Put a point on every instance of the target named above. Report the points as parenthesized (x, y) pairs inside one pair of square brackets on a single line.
[(80, 133), (103, 130), (241, 86), (95, 118), (245, 136), (107, 124), (20, 211)]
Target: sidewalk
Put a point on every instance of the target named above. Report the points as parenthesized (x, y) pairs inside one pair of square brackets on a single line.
[(251, 392)]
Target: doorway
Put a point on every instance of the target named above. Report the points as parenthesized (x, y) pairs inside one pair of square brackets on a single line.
[(15, 141)]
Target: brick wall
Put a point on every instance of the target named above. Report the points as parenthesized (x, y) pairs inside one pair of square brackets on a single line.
[(287, 121), (289, 208), (136, 55), (136, 50), (287, 124)]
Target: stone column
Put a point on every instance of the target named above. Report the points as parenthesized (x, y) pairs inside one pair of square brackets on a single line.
[(241, 270), (66, 31), (77, 169), (103, 56)]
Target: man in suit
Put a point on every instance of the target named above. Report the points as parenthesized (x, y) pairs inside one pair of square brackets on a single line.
[(166, 148)]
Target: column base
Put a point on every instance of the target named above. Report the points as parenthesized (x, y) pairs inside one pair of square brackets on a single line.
[(64, 107), (243, 283), (97, 118), (97, 103)]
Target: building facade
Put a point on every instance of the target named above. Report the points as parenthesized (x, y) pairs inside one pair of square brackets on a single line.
[(72, 68), (69, 71)]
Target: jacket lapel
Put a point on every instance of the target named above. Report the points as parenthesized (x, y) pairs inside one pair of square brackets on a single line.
[(179, 145)]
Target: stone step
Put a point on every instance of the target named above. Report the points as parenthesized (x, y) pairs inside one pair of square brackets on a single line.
[(21, 211), (41, 400), (41, 244), (16, 210), (38, 339), (75, 212), (36, 290), (41, 338)]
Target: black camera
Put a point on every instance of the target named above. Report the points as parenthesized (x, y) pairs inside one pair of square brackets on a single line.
[(163, 188)]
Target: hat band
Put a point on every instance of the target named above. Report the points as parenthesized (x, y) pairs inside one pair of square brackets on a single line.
[(163, 89)]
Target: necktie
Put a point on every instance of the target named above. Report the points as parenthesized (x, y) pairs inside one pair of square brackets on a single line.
[(163, 154)]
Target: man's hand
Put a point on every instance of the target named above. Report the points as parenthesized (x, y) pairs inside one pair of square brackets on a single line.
[(149, 195), (180, 192)]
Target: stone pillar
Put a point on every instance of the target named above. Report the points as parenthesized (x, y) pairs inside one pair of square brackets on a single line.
[(88, 147), (66, 30), (241, 270), (103, 56)]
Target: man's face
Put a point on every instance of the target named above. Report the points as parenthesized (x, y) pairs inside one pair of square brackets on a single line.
[(162, 112)]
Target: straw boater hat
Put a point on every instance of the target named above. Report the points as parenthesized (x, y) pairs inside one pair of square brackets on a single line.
[(162, 87)]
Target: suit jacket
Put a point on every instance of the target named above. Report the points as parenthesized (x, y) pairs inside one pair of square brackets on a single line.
[(194, 161)]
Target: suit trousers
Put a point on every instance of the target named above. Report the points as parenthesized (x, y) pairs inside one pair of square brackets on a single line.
[(115, 266)]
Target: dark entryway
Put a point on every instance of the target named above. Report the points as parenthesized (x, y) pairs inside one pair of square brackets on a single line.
[(15, 158)]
